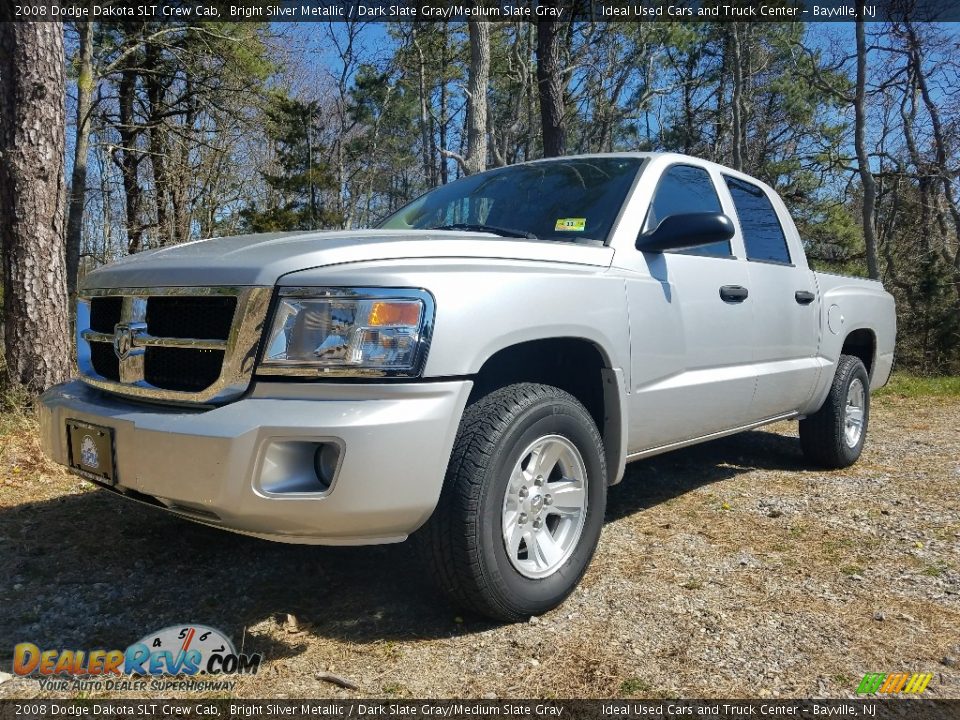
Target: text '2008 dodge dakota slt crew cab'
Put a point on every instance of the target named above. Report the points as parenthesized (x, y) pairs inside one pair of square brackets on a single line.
[(477, 369)]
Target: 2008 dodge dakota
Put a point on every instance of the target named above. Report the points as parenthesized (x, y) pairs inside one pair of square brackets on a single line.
[(478, 368)]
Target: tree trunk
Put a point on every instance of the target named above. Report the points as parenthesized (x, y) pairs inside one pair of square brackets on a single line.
[(477, 84), (32, 200), (531, 84), (157, 143), (736, 58), (429, 171), (550, 83), (689, 128), (444, 59), (472, 157), (180, 191), (720, 125), (78, 178), (128, 159), (868, 210), (939, 136), (946, 175)]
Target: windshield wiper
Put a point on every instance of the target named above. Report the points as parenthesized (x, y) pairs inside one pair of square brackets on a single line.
[(503, 232)]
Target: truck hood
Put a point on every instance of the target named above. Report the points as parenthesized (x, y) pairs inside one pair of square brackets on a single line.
[(264, 259)]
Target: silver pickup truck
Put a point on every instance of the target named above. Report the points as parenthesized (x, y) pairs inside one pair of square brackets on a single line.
[(478, 369)]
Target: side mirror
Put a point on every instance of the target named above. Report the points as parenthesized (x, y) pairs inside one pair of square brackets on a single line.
[(689, 230)]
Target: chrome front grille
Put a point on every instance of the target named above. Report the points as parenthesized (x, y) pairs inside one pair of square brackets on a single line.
[(171, 344)]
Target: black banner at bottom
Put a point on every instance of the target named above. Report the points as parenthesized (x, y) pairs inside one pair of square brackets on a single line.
[(921, 709)]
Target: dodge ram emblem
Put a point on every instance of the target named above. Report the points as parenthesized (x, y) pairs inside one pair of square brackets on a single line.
[(122, 341)]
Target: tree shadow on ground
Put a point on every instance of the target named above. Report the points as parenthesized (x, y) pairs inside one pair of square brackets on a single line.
[(94, 571)]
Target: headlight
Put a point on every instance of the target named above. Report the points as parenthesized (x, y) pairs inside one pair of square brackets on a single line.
[(348, 331)]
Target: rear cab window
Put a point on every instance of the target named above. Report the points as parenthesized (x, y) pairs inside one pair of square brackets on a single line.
[(760, 226)]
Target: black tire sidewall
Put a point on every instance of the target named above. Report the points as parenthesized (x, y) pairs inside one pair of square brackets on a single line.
[(527, 596), (855, 370)]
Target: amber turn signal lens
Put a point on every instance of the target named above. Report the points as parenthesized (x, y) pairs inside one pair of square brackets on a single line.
[(394, 313)]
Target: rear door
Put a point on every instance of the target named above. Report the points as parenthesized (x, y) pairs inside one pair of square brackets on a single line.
[(690, 324), (785, 301)]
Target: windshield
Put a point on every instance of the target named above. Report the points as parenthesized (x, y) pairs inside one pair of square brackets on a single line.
[(567, 200)]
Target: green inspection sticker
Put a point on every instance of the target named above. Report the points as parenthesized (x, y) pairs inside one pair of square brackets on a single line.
[(571, 225)]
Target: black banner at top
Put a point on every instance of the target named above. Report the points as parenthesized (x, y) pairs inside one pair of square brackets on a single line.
[(492, 10)]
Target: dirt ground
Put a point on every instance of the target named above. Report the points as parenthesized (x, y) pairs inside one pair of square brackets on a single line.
[(726, 570)]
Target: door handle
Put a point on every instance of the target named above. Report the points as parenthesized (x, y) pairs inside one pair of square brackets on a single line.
[(733, 293), (804, 297)]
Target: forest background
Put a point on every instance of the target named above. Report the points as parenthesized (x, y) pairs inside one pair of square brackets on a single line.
[(175, 131)]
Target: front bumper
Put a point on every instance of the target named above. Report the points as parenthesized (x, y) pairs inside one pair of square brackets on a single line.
[(209, 465)]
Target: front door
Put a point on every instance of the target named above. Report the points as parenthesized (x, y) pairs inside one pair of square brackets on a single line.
[(690, 325)]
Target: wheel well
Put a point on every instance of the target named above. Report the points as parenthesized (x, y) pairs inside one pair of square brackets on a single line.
[(571, 364), (862, 344)]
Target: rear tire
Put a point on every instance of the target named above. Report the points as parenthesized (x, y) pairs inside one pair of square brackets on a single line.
[(515, 527), (833, 437)]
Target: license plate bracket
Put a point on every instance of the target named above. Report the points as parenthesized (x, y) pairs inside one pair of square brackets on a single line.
[(91, 451)]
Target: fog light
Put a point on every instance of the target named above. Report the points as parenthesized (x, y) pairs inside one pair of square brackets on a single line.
[(325, 461), (298, 467)]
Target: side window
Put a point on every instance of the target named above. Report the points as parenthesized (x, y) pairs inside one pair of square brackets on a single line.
[(686, 189), (762, 232)]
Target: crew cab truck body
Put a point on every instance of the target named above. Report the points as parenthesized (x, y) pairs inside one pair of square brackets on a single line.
[(479, 368)]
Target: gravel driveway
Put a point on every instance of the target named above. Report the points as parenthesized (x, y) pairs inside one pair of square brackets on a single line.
[(727, 570)]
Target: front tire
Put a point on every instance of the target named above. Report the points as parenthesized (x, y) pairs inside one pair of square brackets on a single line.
[(522, 505), (833, 437)]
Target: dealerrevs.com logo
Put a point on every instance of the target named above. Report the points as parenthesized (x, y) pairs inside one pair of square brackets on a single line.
[(178, 650)]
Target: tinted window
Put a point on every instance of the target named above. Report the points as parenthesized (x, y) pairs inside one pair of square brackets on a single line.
[(686, 189), (570, 200), (762, 233)]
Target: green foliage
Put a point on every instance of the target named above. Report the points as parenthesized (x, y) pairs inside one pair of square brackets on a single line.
[(904, 384), (300, 175), (383, 108), (921, 280), (240, 48), (635, 686), (833, 237)]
